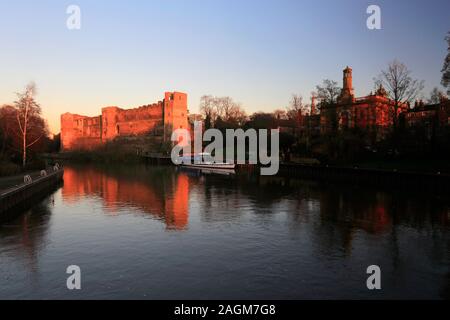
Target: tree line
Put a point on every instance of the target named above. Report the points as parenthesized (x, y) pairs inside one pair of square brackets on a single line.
[(396, 82)]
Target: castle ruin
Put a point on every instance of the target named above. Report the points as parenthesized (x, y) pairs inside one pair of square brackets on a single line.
[(159, 119)]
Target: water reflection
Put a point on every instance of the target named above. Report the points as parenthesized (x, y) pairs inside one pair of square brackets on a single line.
[(167, 234), (23, 239), (155, 192), (336, 212)]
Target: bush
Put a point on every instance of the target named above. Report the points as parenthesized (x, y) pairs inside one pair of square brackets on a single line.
[(36, 164), (8, 168)]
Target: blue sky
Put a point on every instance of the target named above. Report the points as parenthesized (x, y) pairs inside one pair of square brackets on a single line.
[(128, 53)]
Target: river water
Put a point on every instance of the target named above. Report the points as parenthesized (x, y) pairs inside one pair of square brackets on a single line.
[(158, 233)]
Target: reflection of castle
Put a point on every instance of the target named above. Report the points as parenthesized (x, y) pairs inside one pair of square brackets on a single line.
[(171, 205), (158, 119)]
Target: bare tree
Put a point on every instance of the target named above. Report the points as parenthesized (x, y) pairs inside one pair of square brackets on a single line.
[(400, 86), (28, 114), (446, 68), (296, 107), (237, 115), (207, 109), (223, 108), (328, 92), (280, 114)]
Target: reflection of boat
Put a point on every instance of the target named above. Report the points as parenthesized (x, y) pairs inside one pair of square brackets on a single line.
[(204, 161)]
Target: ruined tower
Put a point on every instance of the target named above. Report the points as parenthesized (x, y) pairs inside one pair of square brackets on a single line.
[(175, 113), (153, 120)]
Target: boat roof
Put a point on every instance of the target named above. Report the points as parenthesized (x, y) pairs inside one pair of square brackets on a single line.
[(196, 154)]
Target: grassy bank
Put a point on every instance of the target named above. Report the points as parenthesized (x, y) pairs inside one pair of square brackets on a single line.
[(413, 165), (98, 156), (117, 151), (10, 168)]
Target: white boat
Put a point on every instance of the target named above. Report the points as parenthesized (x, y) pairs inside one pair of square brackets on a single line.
[(224, 172), (204, 161)]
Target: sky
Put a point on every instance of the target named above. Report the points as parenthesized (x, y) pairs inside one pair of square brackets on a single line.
[(128, 53)]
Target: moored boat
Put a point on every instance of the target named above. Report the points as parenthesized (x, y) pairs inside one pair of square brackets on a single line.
[(204, 161)]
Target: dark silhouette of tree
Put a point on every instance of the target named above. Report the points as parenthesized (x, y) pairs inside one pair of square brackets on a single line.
[(261, 120), (296, 107), (280, 114), (230, 113), (7, 122), (327, 95), (446, 68), (53, 144), (208, 111), (328, 92), (287, 140), (436, 96)]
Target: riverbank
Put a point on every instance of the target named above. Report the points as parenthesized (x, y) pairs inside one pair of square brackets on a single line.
[(16, 180), (425, 165), (18, 194), (111, 156), (406, 171), (9, 168), (356, 174)]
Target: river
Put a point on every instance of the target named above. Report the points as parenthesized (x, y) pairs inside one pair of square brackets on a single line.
[(142, 232)]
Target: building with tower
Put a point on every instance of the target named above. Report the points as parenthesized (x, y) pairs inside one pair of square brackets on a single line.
[(374, 113), (80, 132)]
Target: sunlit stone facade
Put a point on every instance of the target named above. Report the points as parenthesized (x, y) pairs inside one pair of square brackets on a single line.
[(159, 119), (373, 113)]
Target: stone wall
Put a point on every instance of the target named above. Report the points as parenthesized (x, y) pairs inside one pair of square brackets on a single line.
[(139, 121), (158, 119), (80, 132), (175, 112)]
